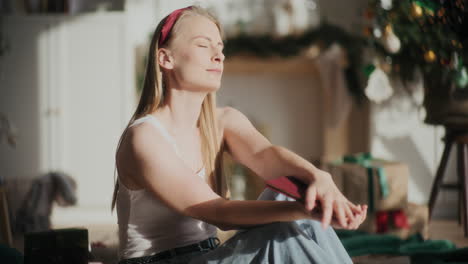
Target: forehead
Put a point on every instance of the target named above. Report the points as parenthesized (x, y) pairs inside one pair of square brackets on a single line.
[(196, 25)]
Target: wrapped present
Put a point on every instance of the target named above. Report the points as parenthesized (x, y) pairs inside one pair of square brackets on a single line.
[(336, 172), (382, 185), (418, 221), (383, 222), (403, 223)]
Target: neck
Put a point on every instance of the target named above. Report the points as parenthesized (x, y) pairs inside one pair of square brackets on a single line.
[(182, 109)]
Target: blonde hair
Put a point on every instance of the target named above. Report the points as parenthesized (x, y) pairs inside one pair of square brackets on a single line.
[(153, 97)]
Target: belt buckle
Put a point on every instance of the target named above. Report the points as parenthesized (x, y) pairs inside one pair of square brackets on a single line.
[(213, 242), (201, 248)]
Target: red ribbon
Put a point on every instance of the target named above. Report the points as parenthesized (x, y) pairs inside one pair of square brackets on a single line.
[(170, 21), (398, 218), (382, 220)]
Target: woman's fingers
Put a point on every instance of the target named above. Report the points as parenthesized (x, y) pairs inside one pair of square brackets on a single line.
[(356, 209), (340, 214), (364, 208), (349, 213), (311, 196), (327, 208), (360, 217)]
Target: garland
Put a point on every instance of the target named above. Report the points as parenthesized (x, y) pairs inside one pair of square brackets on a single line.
[(268, 46)]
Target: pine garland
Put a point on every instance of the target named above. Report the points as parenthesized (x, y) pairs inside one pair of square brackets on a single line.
[(268, 46)]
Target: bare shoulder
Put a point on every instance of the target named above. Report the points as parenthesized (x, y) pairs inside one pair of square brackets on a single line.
[(137, 137), (228, 116), (139, 142)]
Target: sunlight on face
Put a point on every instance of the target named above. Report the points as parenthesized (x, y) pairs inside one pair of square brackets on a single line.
[(197, 52)]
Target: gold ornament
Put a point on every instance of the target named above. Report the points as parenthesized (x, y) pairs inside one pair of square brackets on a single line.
[(430, 56), (416, 10), (388, 29)]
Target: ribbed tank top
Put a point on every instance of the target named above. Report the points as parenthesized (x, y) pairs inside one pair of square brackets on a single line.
[(146, 225)]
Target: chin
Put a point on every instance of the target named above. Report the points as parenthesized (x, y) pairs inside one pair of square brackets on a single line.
[(211, 87)]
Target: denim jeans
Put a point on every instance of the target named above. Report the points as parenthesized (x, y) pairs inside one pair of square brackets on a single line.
[(179, 259)]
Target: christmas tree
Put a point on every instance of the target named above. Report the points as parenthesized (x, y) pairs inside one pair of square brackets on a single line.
[(429, 35)]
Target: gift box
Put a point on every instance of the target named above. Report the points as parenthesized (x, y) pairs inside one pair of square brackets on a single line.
[(381, 184), (57, 246), (413, 219), (336, 172), (418, 221)]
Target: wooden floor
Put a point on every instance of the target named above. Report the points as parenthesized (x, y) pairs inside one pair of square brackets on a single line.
[(448, 229)]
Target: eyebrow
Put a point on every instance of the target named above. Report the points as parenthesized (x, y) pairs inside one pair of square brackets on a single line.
[(208, 38)]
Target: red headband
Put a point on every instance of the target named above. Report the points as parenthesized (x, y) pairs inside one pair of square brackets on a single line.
[(170, 21)]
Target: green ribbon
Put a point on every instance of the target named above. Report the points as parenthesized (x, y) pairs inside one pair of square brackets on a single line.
[(370, 188), (365, 160), (384, 190), (428, 4)]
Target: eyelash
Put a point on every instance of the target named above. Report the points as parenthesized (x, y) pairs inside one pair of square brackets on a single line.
[(204, 46)]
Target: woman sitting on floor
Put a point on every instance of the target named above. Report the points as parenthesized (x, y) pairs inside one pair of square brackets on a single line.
[(170, 193)]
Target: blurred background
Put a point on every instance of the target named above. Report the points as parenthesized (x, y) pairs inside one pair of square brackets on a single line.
[(325, 79)]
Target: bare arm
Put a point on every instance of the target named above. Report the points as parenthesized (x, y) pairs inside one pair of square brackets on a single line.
[(252, 149), (151, 162)]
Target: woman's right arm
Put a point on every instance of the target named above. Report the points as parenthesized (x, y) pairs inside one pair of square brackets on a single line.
[(151, 162)]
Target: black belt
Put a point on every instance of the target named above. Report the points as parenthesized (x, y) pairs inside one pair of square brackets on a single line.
[(205, 245)]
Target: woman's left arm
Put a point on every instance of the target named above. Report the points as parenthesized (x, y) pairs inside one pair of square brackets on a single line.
[(250, 148)]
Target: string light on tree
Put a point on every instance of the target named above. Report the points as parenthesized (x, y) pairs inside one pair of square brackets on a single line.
[(391, 42), (416, 10), (386, 4), (430, 56)]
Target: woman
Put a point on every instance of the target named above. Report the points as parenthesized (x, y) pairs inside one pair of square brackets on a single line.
[(170, 193)]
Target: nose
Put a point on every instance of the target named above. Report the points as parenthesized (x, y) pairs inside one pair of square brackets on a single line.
[(219, 56)]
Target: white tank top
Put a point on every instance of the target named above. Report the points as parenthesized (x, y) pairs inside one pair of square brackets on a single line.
[(146, 225)]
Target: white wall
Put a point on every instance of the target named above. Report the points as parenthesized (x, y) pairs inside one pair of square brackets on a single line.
[(398, 132), (66, 89), (287, 108), (20, 100)]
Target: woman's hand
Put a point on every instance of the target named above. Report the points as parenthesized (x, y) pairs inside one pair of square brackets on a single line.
[(358, 218), (335, 209)]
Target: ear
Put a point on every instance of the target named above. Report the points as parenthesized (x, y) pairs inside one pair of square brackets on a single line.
[(165, 59)]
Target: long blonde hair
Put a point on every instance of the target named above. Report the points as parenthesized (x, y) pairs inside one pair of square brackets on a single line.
[(153, 97)]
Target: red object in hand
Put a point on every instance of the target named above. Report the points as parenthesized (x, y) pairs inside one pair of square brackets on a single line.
[(289, 186)]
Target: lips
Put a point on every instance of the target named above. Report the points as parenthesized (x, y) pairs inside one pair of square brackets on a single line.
[(215, 70)]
